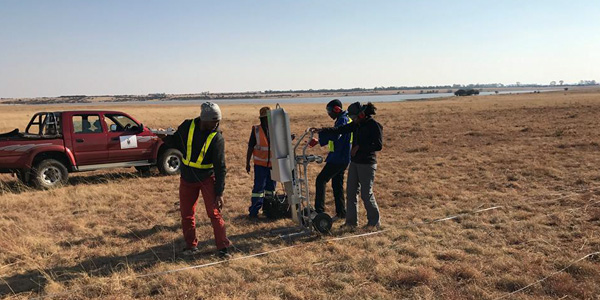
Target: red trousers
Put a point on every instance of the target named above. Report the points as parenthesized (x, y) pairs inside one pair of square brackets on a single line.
[(188, 196)]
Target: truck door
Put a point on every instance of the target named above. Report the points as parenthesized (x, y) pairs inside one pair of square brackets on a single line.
[(127, 141), (89, 139)]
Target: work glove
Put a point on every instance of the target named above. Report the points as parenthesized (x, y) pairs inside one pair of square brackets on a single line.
[(313, 142)]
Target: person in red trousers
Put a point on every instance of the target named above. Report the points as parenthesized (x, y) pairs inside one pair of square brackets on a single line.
[(203, 171)]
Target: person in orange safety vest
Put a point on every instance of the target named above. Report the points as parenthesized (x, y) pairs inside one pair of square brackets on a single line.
[(258, 150)]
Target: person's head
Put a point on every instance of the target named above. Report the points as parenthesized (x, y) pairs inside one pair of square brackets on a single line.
[(51, 130), (86, 125), (358, 112), (334, 108), (210, 116), (263, 114)]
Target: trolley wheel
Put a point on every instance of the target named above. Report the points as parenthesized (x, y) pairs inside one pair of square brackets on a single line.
[(322, 223)]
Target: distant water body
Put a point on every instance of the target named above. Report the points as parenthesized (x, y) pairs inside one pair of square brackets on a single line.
[(344, 99)]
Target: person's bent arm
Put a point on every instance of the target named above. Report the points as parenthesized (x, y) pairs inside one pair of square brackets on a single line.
[(248, 157), (323, 139), (219, 165), (175, 140), (251, 144), (348, 128)]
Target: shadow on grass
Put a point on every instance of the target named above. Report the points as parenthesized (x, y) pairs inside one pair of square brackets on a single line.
[(261, 219), (17, 187), (35, 280), (13, 187), (136, 235)]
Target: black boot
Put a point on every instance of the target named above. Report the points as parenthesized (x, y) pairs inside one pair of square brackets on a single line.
[(224, 253)]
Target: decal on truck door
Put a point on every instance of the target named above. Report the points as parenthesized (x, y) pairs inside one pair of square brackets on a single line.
[(128, 141)]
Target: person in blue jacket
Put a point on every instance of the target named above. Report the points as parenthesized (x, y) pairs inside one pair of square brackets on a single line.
[(336, 163), (366, 142)]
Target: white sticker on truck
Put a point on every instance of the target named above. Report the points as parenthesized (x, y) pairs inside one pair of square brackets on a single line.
[(128, 141)]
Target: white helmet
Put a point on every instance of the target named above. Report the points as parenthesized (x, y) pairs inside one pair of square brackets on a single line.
[(210, 111)]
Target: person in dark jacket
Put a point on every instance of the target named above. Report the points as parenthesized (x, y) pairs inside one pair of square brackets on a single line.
[(203, 171), (367, 141), (336, 163)]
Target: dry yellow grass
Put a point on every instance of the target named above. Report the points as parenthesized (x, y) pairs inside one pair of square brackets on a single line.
[(91, 238)]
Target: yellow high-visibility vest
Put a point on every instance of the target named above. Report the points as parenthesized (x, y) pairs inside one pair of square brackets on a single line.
[(332, 145), (188, 155)]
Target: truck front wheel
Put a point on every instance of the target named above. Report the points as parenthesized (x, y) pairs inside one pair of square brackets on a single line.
[(49, 173), (169, 162)]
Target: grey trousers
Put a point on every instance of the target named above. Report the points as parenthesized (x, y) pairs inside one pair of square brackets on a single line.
[(361, 176)]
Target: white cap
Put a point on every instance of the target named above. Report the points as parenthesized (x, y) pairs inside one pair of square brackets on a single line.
[(210, 111)]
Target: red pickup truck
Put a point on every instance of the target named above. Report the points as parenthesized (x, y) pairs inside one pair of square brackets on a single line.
[(57, 143)]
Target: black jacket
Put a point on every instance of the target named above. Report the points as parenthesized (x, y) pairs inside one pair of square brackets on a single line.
[(215, 154), (368, 136)]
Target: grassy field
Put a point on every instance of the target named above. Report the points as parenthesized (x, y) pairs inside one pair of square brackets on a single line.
[(536, 155)]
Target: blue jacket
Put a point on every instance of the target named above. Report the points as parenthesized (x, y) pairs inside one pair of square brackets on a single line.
[(341, 142)]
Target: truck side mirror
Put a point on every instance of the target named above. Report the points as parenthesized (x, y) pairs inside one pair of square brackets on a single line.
[(141, 127), (113, 127)]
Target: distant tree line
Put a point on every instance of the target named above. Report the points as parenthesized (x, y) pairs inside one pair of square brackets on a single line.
[(432, 87), (317, 91), (73, 96), (587, 82)]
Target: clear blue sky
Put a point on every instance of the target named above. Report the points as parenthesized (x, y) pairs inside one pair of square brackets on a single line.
[(52, 48)]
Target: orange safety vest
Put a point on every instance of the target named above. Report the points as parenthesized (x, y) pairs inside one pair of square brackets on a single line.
[(260, 154)]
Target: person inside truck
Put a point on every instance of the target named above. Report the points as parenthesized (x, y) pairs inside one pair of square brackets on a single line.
[(97, 126), (86, 127), (51, 130)]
